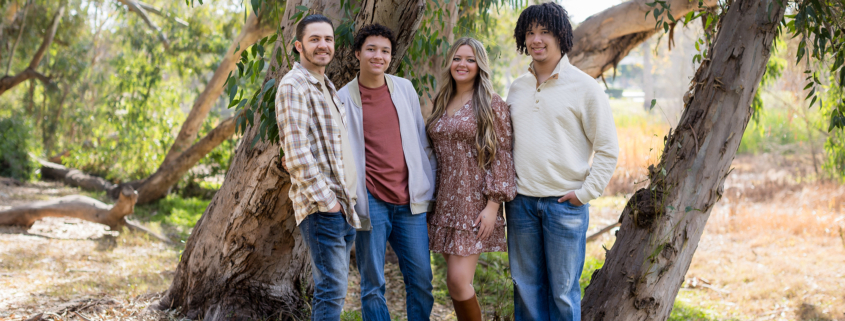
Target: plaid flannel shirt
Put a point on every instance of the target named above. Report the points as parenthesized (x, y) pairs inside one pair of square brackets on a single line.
[(312, 145)]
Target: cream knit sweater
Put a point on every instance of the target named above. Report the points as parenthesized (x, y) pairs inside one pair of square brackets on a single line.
[(557, 128)]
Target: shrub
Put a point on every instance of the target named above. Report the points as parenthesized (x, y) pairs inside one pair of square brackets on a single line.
[(16, 142)]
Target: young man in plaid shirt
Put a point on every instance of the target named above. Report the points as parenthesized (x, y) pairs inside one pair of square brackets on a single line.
[(318, 155)]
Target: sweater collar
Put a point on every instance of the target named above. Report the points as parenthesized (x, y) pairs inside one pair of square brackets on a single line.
[(561, 65)]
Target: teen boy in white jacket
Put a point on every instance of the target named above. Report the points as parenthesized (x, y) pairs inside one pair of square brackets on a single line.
[(396, 173)]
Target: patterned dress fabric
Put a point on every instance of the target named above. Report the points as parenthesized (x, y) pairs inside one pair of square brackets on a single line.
[(463, 188)]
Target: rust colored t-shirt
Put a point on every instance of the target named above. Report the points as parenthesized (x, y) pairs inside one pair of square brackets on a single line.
[(387, 173)]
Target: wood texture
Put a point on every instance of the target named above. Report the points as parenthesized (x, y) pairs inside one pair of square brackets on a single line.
[(662, 224)]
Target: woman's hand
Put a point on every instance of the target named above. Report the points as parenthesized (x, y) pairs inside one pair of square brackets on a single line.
[(486, 220)]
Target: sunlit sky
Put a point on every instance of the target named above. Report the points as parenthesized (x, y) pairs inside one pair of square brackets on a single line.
[(581, 9)]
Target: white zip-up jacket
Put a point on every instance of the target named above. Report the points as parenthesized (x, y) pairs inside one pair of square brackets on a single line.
[(419, 157)]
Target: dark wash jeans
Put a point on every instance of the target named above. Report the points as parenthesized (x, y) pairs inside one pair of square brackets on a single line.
[(329, 239), (546, 247), (408, 235)]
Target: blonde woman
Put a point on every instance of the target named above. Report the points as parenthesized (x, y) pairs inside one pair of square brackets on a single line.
[(470, 128)]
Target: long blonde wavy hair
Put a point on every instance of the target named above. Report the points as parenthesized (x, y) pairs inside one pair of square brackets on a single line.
[(482, 98)]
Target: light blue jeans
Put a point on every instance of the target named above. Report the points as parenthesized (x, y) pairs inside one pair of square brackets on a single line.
[(408, 235), (546, 247), (329, 239)]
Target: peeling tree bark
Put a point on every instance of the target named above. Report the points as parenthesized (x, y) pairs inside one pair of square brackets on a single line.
[(8, 82), (662, 224), (245, 258)]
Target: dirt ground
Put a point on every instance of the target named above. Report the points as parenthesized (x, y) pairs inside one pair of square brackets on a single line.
[(774, 249)]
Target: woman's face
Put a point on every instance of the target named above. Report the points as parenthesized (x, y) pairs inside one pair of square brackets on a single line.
[(464, 68)]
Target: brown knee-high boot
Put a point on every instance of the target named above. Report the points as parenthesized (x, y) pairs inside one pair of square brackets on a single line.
[(468, 310)]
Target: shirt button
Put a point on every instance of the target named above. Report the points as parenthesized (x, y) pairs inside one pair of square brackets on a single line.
[(537, 101), (338, 136), (538, 89)]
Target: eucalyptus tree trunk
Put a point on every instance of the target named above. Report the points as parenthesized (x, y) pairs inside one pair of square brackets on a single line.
[(662, 224), (245, 258)]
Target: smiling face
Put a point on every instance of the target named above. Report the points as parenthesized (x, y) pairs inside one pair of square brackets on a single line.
[(374, 55), (316, 46), (464, 67), (542, 44)]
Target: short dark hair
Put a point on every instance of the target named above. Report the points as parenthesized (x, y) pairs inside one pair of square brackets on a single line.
[(550, 15), (309, 19), (373, 30)]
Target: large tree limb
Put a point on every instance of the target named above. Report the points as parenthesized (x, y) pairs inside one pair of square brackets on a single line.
[(135, 7), (252, 31), (602, 40), (81, 207), (157, 185), (662, 224), (8, 82)]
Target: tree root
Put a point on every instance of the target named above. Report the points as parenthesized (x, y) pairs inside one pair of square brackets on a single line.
[(81, 207)]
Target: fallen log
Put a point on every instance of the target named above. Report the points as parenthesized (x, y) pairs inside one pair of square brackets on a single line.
[(74, 177), (81, 207), (605, 229)]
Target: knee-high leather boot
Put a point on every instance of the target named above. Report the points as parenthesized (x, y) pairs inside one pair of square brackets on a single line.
[(467, 310)]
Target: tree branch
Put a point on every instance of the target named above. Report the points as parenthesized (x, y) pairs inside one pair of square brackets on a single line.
[(604, 39), (253, 30), (18, 39), (9, 82), (48, 38), (157, 185), (157, 11), (134, 6)]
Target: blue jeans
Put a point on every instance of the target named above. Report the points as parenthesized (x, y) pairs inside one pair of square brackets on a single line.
[(408, 235), (329, 239), (546, 247)]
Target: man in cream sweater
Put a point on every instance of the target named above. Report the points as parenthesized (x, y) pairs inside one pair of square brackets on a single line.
[(561, 117)]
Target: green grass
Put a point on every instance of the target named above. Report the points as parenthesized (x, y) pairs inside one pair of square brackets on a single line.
[(494, 287), (174, 214), (351, 316), (776, 130)]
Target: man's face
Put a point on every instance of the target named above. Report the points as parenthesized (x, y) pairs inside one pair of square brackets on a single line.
[(542, 44), (317, 44), (374, 55)]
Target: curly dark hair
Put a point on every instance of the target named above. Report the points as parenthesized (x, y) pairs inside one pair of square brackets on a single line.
[(373, 30), (550, 15)]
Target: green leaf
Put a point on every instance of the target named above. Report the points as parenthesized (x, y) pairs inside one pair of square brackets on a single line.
[(302, 8), (260, 49), (234, 102), (269, 85), (233, 90), (688, 209), (653, 102)]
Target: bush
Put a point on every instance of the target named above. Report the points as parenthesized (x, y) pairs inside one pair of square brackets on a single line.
[(16, 142)]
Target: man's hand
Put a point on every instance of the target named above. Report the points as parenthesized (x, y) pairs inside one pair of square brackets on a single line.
[(571, 198), (336, 208), (284, 164)]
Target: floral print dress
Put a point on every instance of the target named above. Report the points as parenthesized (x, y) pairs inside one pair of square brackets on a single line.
[(463, 188)]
